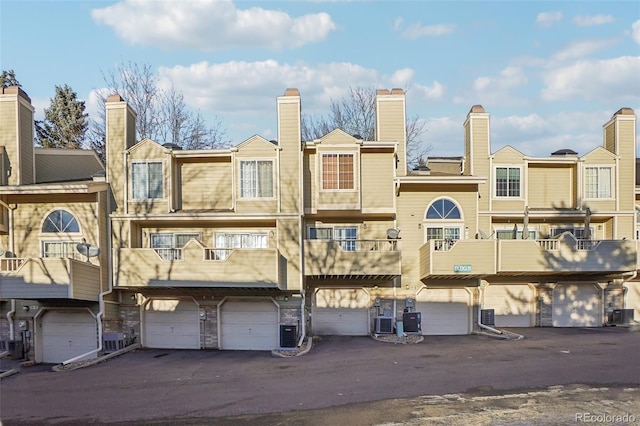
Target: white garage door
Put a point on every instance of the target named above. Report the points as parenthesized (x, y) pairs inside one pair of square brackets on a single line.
[(513, 304), (66, 335), (444, 311), (632, 298), (171, 324), (341, 312), (576, 305), (249, 325)]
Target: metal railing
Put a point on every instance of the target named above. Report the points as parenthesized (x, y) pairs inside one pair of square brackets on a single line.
[(587, 245), (169, 253), (216, 254), (443, 244), (367, 245)]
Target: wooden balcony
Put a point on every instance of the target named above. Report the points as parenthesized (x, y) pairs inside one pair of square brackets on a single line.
[(49, 278), (457, 259), (198, 266), (352, 259), (566, 255)]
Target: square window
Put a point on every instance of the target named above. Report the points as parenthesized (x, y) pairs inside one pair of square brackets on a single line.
[(147, 180), (338, 172), (256, 179), (507, 182)]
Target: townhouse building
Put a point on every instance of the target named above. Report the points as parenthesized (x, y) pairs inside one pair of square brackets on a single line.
[(257, 246)]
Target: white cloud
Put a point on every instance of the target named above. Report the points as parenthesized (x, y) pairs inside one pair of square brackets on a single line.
[(611, 79), (499, 89), (210, 25), (417, 30), (216, 87), (397, 24), (581, 49), (546, 19), (433, 93), (588, 21), (635, 31)]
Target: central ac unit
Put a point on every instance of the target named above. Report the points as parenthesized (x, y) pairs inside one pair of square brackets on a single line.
[(383, 325), (412, 322)]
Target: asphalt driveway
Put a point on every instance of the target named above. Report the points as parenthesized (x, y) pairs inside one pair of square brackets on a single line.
[(179, 384)]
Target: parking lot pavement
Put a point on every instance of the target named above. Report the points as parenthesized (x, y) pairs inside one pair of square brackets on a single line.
[(173, 384)]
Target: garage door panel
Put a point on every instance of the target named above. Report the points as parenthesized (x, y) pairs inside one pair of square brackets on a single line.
[(172, 324), (66, 335), (513, 304), (444, 311), (249, 325), (341, 312), (576, 305)]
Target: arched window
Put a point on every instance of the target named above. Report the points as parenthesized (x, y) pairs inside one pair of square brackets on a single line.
[(443, 222), (60, 221), (443, 209)]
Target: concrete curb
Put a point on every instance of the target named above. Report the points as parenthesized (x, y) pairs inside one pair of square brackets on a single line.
[(8, 372), (82, 364), (278, 353)]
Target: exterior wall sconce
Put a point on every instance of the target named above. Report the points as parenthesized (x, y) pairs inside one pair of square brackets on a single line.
[(419, 226)]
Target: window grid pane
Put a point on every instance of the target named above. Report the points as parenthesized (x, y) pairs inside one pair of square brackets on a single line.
[(345, 168), (329, 171)]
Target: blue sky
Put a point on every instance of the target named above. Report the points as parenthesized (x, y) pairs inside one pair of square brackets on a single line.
[(549, 73)]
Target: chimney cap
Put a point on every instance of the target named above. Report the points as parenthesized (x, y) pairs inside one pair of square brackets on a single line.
[(383, 92), (477, 108), (115, 98), (397, 91), (624, 111), (16, 90), (292, 92)]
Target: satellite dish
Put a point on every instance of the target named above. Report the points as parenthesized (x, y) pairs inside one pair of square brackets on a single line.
[(393, 233), (88, 250)]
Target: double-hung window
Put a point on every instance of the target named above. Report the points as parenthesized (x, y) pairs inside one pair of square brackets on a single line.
[(345, 236), (597, 182), (338, 171), (147, 180), (507, 182), (256, 178)]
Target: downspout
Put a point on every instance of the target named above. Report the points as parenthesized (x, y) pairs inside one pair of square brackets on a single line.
[(12, 335), (10, 209), (102, 294), (480, 324)]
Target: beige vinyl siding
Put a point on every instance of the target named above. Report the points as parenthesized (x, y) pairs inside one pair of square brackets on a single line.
[(85, 280), (257, 147), (479, 134), (289, 186), (508, 156), (626, 150), (625, 227), (149, 151), (337, 137), (391, 126), (412, 206), (377, 180), (206, 185), (467, 151), (610, 138), (28, 219), (102, 240), (27, 172), (288, 243), (601, 158), (309, 178), (120, 134), (551, 186), (9, 135)]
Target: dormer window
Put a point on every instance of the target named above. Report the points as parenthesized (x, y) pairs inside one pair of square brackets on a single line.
[(597, 182), (147, 180), (256, 179)]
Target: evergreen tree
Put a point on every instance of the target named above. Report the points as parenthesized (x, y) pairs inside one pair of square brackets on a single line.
[(8, 78), (65, 124)]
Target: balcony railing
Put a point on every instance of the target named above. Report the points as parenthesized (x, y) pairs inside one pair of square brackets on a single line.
[(563, 255), (49, 278), (373, 259), (198, 266)]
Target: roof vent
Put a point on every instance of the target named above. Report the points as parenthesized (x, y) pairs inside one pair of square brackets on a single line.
[(564, 152), (422, 169)]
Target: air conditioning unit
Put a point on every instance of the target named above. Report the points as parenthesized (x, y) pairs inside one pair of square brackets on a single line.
[(113, 342), (288, 336), (621, 316), (383, 325), (488, 317), (412, 322)]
